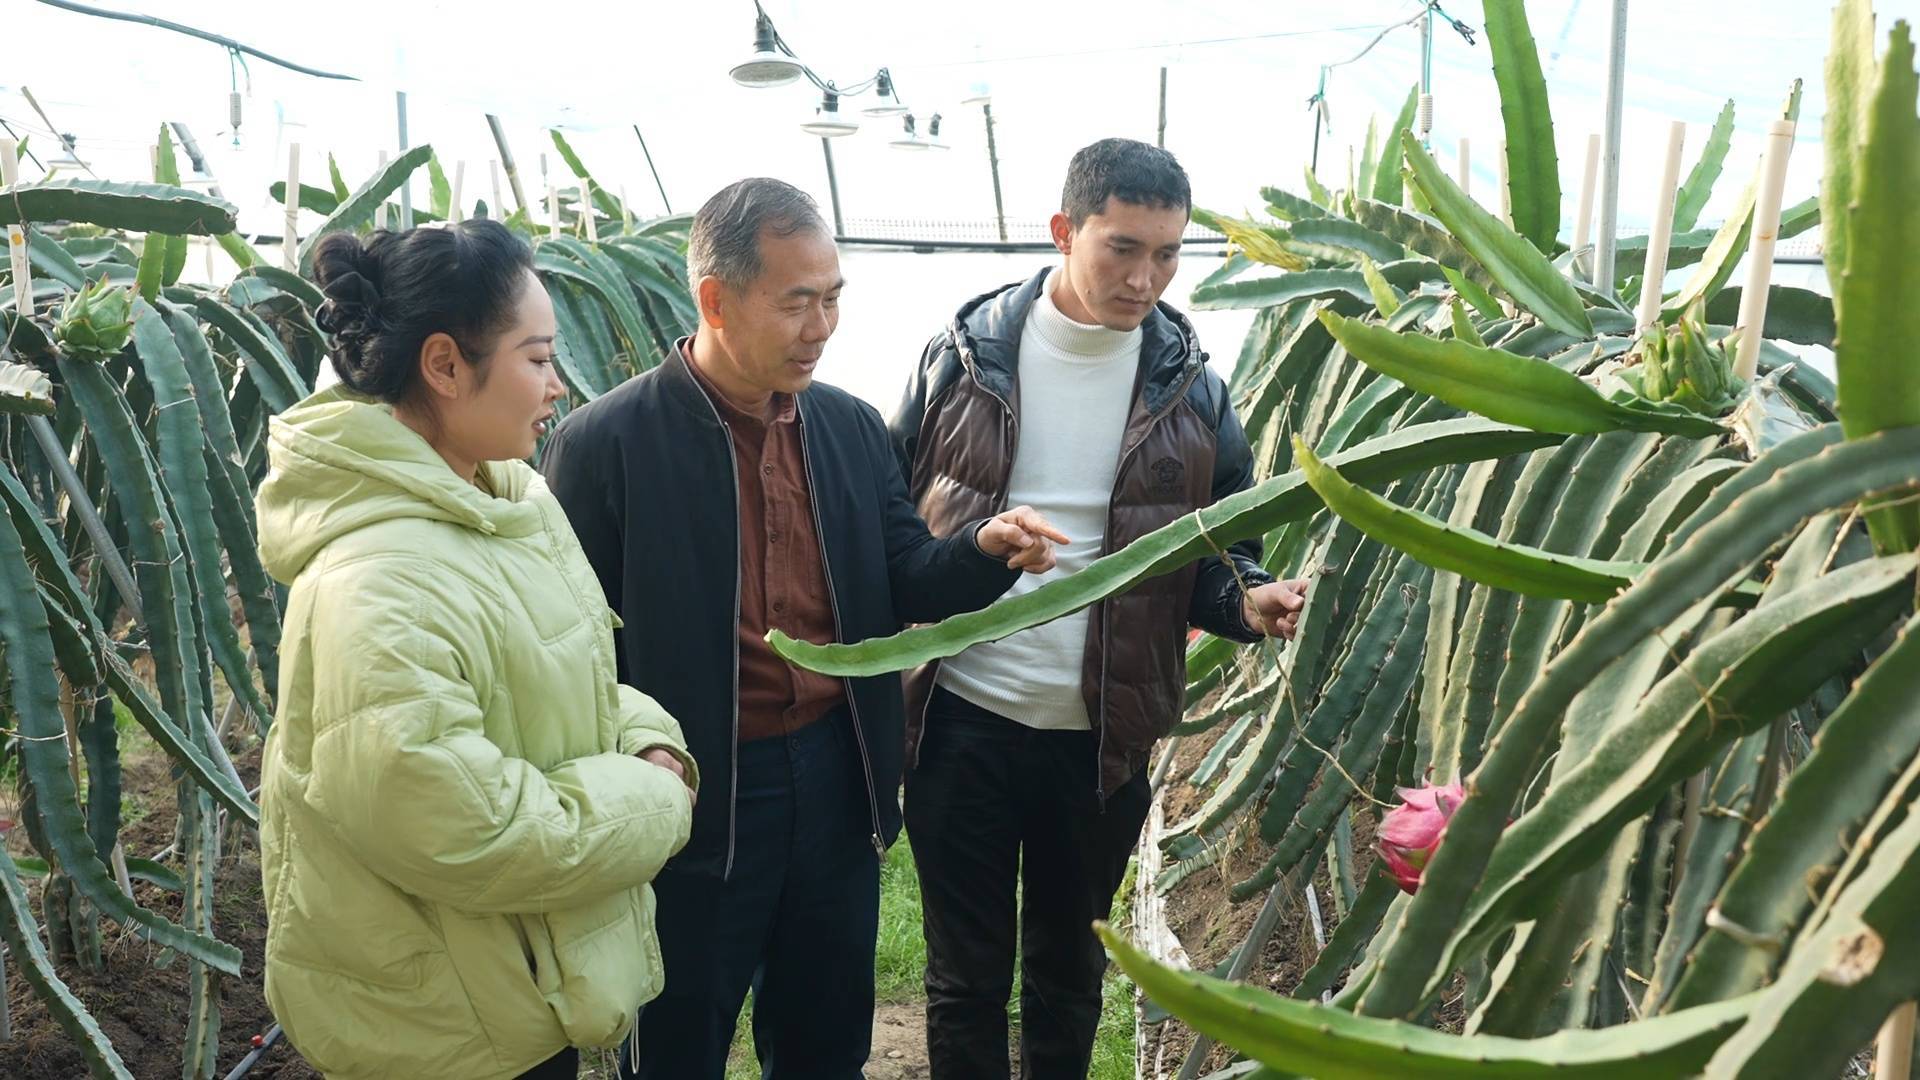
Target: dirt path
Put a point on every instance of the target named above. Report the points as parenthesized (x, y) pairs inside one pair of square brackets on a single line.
[(899, 1043)]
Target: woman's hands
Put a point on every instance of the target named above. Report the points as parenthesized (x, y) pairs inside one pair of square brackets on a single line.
[(665, 760)]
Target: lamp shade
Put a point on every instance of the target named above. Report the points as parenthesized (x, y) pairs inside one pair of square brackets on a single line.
[(911, 140), (827, 121), (768, 66)]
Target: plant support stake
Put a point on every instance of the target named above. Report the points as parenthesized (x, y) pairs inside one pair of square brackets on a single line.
[(1661, 235), (1766, 232), (16, 236), (406, 188), (499, 208), (380, 212), (1608, 241), (506, 162), (289, 238), (1583, 221), (454, 214), (1466, 169)]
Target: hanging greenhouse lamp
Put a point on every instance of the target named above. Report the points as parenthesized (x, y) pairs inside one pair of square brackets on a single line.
[(769, 65), (887, 102), (911, 140), (827, 121)]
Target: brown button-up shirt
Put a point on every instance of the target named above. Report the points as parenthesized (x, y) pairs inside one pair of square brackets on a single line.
[(783, 578)]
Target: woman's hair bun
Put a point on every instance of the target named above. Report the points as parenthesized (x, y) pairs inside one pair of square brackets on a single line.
[(348, 274)]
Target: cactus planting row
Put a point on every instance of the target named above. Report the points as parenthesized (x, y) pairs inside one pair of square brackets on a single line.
[(133, 409), (1666, 652)]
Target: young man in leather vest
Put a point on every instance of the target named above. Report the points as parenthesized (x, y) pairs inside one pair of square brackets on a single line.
[(1079, 393), (719, 495)]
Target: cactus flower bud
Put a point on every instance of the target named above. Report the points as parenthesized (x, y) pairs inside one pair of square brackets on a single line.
[(96, 322), (1411, 832)]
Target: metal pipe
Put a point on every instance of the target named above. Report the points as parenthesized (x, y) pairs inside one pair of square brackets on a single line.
[(1161, 139), (1606, 241), (1426, 78), (833, 186), (993, 160), (180, 28), (194, 155), (1189, 246), (650, 168)]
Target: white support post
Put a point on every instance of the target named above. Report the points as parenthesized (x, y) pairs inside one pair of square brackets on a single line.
[(454, 213), (16, 235), (498, 209), (553, 200), (1506, 194), (1583, 220), (588, 225), (1466, 168), (380, 212), (289, 238), (1606, 244), (1660, 237), (1766, 232)]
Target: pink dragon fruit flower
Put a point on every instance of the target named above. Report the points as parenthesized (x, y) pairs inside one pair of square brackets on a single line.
[(1411, 832)]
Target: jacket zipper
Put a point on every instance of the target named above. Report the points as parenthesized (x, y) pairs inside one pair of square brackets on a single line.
[(733, 749), (1010, 429), (833, 603), (1106, 623)]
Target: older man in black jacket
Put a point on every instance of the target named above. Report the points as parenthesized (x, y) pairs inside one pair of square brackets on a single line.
[(719, 495)]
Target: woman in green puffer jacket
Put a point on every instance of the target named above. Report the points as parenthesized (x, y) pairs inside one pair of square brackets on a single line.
[(461, 807)]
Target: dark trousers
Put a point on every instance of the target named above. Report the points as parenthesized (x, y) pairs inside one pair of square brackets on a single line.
[(564, 1065), (994, 804), (795, 920)]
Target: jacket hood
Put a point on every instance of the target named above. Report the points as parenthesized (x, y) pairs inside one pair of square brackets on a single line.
[(339, 462), (985, 332)]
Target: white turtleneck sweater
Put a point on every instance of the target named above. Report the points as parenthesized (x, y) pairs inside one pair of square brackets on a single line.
[(1076, 388)]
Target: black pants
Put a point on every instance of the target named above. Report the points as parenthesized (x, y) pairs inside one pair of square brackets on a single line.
[(564, 1065), (795, 919), (995, 803)]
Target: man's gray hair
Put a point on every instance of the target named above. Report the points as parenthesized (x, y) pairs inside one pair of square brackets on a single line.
[(726, 232)]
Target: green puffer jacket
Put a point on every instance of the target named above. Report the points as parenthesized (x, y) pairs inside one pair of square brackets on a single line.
[(456, 835)]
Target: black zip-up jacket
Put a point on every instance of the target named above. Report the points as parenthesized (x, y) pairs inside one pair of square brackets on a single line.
[(646, 475)]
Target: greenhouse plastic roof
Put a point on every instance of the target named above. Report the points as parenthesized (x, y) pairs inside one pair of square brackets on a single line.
[(1062, 75)]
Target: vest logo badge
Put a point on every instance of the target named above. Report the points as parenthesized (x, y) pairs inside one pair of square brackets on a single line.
[(1167, 474)]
